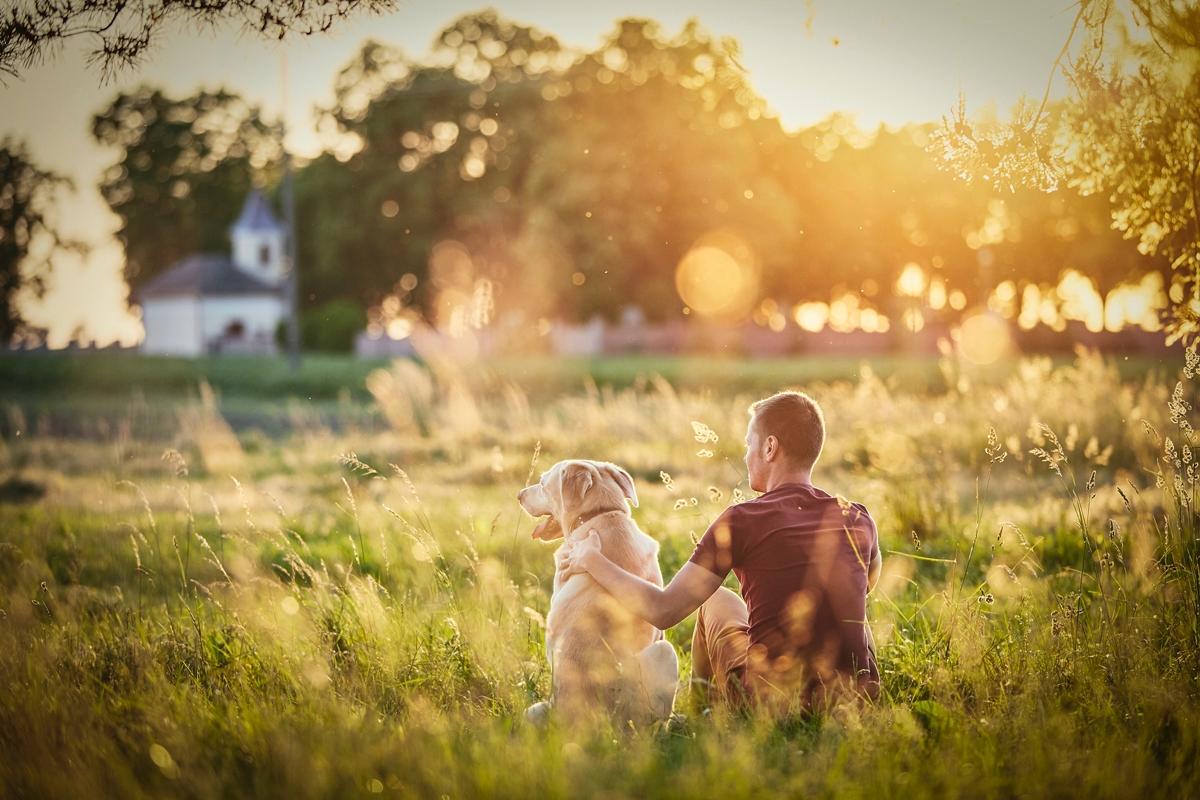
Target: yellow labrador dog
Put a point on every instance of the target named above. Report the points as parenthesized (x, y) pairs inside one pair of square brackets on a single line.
[(601, 656)]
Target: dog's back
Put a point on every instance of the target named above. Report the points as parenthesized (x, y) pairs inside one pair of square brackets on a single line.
[(593, 640)]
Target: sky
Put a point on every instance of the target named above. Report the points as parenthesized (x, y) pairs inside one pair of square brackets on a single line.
[(884, 61)]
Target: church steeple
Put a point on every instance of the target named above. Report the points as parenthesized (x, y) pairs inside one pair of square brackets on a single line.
[(258, 240)]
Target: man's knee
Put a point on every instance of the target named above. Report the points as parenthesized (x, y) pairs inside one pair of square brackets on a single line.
[(722, 606)]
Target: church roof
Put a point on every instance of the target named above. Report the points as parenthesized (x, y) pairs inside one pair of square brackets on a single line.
[(205, 274), (256, 214)]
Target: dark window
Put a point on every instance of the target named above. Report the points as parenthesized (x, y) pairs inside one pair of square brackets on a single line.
[(235, 329), (264, 254)]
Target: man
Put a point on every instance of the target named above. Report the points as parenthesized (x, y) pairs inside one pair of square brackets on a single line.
[(805, 560)]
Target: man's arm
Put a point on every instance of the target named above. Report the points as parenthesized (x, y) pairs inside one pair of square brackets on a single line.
[(662, 607)]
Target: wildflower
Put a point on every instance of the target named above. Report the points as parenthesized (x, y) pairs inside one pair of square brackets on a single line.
[(715, 495), (915, 539), (1125, 499), (681, 503), (995, 448), (703, 433), (1170, 455), (175, 459), (986, 599), (667, 481), (1179, 408), (352, 461), (844, 504), (1049, 458), (537, 451), (705, 453)]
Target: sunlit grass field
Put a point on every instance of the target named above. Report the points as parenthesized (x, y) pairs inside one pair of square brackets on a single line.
[(346, 600)]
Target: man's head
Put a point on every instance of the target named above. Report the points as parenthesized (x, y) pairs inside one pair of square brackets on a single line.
[(784, 438)]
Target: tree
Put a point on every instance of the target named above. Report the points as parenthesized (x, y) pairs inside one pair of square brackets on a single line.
[(438, 145), (576, 182), (184, 168), (1130, 131), (122, 31), (26, 195)]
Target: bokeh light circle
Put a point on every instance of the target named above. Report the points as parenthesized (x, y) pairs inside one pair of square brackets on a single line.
[(983, 338), (718, 277)]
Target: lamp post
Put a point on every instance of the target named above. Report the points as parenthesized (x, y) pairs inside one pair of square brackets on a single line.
[(290, 249)]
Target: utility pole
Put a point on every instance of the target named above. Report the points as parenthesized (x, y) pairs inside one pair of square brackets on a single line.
[(293, 262)]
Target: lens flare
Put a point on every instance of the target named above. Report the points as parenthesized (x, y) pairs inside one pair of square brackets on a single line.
[(718, 277), (983, 338)]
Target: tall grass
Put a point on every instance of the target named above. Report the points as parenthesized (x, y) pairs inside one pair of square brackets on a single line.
[(352, 612)]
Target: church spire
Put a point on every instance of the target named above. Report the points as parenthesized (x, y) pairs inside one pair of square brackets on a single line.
[(258, 240)]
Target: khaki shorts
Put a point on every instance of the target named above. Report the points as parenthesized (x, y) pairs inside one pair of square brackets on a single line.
[(720, 644)]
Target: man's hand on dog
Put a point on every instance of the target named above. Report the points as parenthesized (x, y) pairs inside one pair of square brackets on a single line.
[(575, 556)]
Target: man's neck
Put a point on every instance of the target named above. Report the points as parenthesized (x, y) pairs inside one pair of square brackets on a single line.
[(800, 476)]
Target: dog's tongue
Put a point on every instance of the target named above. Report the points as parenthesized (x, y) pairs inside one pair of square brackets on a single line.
[(548, 529)]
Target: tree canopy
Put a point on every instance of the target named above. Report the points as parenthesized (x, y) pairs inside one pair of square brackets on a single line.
[(577, 183), (184, 168), (1130, 133), (26, 203), (120, 32)]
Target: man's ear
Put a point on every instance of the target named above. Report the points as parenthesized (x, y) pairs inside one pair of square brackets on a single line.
[(623, 479), (772, 447), (577, 479)]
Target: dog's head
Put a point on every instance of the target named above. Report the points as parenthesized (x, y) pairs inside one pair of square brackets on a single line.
[(571, 489)]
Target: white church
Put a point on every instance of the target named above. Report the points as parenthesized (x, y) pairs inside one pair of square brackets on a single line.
[(209, 303)]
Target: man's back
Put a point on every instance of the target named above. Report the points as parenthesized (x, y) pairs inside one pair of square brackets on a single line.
[(802, 558)]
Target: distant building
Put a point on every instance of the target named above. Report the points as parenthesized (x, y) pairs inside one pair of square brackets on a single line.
[(210, 303)]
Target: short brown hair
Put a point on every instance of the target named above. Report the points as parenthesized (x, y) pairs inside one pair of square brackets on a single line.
[(796, 421)]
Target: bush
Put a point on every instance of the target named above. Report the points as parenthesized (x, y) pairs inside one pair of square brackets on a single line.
[(330, 328)]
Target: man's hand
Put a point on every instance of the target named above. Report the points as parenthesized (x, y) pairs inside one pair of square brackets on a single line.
[(662, 607), (577, 554)]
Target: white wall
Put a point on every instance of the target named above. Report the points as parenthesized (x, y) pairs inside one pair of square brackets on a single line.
[(172, 326), (246, 244), (258, 315)]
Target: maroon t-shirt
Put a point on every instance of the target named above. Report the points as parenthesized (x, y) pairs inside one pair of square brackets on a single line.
[(802, 557)]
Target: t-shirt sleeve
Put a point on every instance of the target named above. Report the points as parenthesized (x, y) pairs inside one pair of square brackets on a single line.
[(866, 535), (719, 550)]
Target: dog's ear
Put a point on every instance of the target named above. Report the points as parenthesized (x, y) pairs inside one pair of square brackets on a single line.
[(623, 479), (577, 479)]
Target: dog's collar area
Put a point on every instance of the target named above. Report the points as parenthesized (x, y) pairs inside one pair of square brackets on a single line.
[(583, 519)]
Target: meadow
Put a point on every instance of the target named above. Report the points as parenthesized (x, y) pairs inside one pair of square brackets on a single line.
[(226, 580)]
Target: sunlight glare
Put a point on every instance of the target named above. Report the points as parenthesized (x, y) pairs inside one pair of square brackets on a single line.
[(718, 278)]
